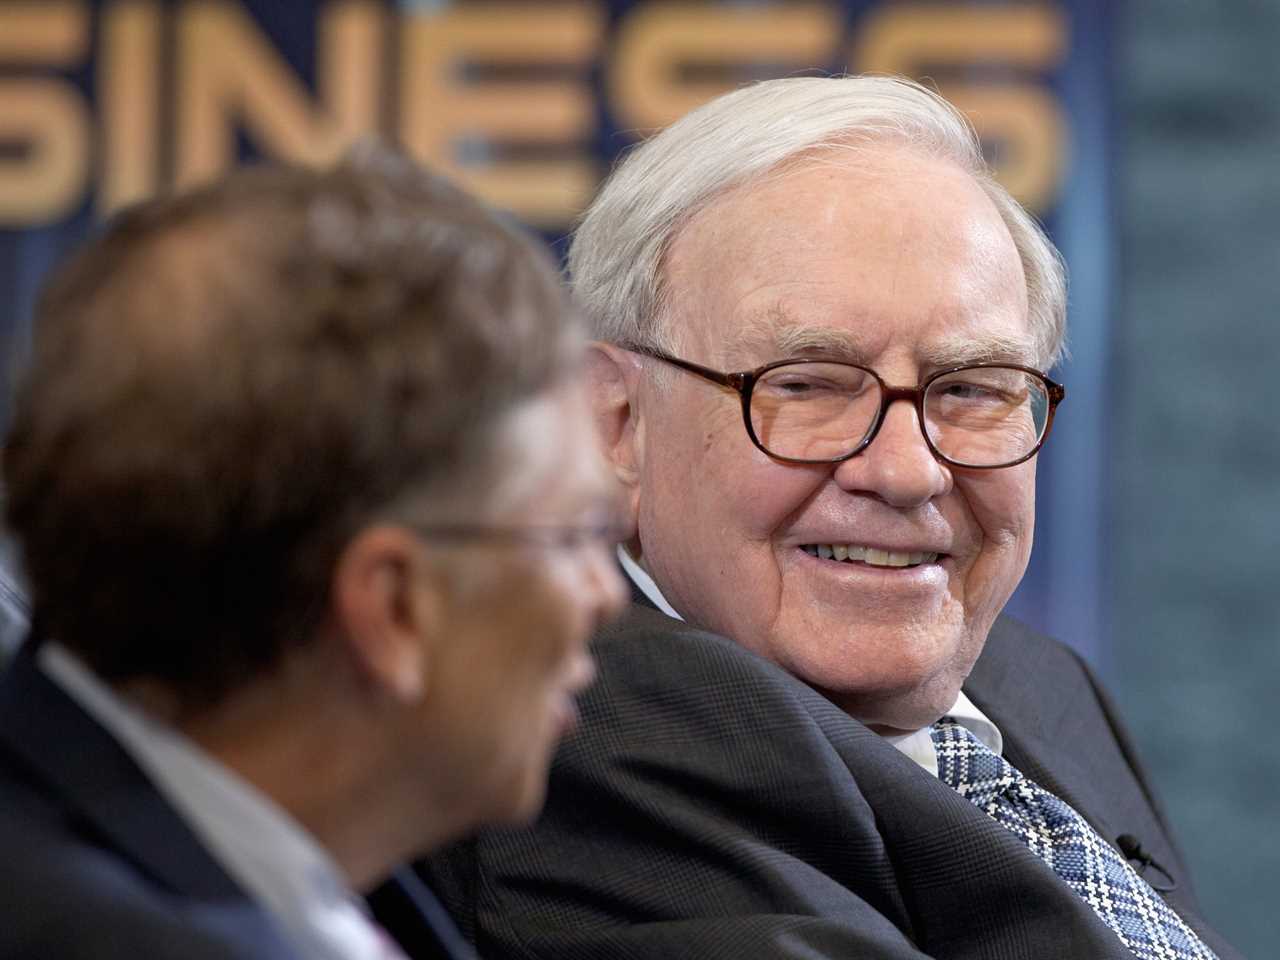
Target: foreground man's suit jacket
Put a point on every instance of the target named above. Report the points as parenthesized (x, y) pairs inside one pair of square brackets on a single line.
[(95, 864), (713, 807)]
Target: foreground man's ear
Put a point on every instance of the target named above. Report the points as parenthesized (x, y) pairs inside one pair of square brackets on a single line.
[(387, 608), (613, 378)]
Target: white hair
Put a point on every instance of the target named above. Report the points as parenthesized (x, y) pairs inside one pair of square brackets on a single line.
[(616, 257)]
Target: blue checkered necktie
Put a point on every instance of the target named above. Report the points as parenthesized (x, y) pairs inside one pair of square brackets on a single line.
[(1073, 850)]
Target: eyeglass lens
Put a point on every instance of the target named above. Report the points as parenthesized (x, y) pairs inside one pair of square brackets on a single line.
[(978, 416)]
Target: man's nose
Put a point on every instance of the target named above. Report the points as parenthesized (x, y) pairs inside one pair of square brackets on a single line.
[(897, 467), (608, 588)]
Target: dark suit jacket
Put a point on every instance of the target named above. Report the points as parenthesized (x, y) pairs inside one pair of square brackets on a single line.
[(712, 806), (94, 862)]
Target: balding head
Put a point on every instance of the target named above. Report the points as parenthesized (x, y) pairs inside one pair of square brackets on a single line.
[(226, 384)]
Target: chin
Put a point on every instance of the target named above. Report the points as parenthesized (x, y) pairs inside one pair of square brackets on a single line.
[(892, 716), (516, 798), (904, 707), (525, 806)]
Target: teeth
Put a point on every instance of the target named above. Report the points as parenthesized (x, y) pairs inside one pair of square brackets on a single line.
[(853, 553)]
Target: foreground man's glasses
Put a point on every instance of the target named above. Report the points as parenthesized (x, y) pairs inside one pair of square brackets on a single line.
[(607, 534), (980, 417)]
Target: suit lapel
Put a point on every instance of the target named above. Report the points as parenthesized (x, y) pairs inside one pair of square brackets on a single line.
[(971, 888), (86, 771), (1054, 733), (1041, 733)]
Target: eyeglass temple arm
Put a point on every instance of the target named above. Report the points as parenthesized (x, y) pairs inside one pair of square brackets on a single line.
[(734, 381)]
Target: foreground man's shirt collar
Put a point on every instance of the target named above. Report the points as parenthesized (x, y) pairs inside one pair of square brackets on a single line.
[(260, 845), (917, 745)]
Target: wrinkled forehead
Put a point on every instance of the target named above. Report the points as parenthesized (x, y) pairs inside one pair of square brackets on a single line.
[(850, 259), (778, 332)]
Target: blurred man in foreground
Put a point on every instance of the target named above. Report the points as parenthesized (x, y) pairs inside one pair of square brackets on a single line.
[(825, 331), (316, 530)]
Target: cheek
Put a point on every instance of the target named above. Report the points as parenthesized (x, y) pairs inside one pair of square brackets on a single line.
[(716, 516), (1002, 505), (563, 604), (708, 477), (525, 626), (708, 536), (547, 623)]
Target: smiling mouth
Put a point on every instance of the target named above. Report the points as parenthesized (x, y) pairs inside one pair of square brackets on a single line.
[(870, 556)]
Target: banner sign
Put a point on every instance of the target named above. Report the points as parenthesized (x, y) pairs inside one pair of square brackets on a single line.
[(528, 104)]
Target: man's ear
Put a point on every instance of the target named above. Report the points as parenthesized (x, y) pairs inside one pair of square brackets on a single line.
[(613, 377), (386, 604)]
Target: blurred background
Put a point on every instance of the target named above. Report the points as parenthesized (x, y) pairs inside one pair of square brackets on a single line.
[(1145, 134)]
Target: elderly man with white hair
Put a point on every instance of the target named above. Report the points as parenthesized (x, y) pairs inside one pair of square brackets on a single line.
[(821, 377)]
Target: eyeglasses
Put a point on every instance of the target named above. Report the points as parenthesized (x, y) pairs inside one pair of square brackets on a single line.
[(607, 534), (982, 416)]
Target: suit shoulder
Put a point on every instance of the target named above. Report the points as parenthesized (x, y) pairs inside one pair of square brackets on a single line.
[(657, 674), (1015, 654), (1009, 632), (644, 646), (53, 864), (709, 768), (117, 914)]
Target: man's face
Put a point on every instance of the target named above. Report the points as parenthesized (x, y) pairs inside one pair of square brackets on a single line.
[(885, 258), (515, 628)]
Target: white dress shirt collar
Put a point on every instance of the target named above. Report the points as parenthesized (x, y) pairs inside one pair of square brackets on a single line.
[(917, 745), (259, 844), (640, 577)]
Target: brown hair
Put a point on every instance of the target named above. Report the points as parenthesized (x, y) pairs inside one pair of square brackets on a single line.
[(226, 385)]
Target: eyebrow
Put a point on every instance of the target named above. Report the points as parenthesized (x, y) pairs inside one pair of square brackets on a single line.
[(960, 349), (776, 332)]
